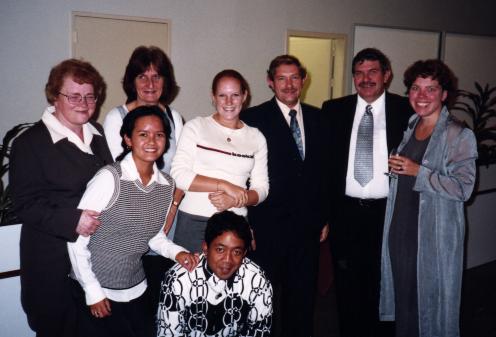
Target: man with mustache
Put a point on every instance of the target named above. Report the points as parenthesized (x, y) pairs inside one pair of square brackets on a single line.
[(356, 187), (289, 223)]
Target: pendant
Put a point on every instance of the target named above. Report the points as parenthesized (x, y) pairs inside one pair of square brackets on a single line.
[(228, 139)]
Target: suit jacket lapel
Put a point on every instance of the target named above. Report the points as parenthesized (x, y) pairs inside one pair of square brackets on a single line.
[(348, 117)]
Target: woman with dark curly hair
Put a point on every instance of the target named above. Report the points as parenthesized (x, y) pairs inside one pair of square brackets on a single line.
[(422, 252), (49, 168)]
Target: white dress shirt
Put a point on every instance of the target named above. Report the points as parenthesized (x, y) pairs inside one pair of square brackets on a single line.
[(299, 118), (378, 187)]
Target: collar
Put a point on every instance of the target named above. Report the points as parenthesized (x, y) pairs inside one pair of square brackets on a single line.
[(378, 105), (285, 109), (130, 172), (58, 131)]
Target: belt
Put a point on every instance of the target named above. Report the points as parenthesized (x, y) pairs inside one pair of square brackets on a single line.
[(364, 202)]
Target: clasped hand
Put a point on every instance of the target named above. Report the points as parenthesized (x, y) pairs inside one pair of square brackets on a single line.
[(228, 196)]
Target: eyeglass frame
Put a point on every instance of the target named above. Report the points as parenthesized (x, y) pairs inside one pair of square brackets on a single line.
[(69, 97)]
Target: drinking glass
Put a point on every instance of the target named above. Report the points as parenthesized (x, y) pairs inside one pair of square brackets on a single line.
[(394, 152)]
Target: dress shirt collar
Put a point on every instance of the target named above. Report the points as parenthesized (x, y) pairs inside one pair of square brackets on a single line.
[(130, 172), (58, 131), (285, 109), (377, 106)]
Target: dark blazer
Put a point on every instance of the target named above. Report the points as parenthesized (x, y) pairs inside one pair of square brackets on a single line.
[(337, 121), (47, 181), (292, 207)]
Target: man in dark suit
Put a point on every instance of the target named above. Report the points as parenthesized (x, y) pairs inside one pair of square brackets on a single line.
[(289, 223), (356, 187)]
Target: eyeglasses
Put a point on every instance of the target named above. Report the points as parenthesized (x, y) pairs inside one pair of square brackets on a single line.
[(142, 78), (77, 98)]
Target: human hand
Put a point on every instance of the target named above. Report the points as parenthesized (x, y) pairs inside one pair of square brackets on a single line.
[(221, 200), (403, 165), (101, 309), (88, 222), (188, 260), (239, 194)]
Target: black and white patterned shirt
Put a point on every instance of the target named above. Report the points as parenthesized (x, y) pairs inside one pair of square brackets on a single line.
[(200, 304)]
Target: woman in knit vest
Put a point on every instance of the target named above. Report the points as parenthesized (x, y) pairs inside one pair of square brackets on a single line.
[(135, 199)]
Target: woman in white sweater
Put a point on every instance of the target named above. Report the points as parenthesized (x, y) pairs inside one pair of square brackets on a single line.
[(220, 163)]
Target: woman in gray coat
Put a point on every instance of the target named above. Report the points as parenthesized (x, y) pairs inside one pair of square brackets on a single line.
[(422, 252)]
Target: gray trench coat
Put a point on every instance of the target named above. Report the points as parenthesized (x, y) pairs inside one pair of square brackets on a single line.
[(445, 181)]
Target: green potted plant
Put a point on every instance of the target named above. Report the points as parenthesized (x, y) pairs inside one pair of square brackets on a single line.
[(6, 214), (480, 106)]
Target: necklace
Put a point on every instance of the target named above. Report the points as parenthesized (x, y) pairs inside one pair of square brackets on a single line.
[(228, 138)]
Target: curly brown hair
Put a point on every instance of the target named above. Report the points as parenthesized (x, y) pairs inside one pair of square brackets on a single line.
[(436, 70), (80, 72)]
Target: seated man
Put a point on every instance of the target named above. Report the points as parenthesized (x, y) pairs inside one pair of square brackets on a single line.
[(225, 295)]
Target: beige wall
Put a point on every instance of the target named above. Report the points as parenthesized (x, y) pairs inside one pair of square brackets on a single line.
[(206, 36)]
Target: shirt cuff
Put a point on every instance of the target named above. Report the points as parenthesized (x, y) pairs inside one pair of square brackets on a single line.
[(94, 293)]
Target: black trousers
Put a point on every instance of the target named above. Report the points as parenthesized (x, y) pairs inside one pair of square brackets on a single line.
[(355, 242), (128, 319), (291, 265)]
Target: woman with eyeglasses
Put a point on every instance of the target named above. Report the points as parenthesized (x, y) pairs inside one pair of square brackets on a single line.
[(51, 164), (149, 80)]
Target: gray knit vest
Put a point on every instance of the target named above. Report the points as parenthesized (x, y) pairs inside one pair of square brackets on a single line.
[(133, 216)]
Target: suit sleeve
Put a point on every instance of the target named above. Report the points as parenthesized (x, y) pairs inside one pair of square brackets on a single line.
[(325, 140), (30, 194)]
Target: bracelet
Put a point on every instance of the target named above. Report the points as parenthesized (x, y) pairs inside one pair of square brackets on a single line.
[(175, 203)]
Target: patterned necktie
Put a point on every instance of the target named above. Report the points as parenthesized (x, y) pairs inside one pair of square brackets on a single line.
[(295, 130), (364, 152)]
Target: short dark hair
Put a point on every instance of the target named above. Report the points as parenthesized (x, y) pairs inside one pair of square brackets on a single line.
[(129, 122), (286, 60), (139, 62), (437, 70), (231, 73), (371, 54), (81, 72), (228, 221)]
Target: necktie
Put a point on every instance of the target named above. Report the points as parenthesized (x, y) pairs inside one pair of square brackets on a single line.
[(364, 165), (295, 130)]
